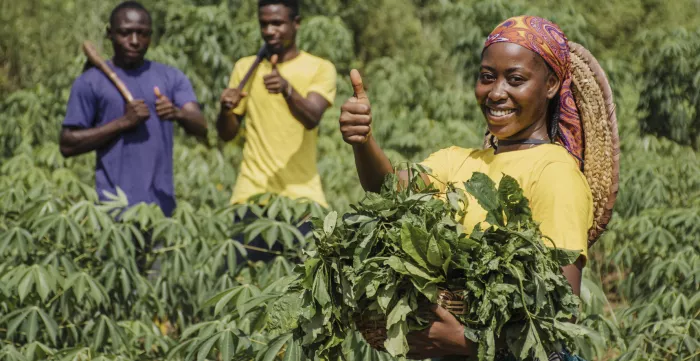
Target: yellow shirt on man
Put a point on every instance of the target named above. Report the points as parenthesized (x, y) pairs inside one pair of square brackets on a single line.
[(559, 195), (279, 154)]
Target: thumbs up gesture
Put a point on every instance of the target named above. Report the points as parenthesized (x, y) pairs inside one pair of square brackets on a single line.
[(274, 82), (356, 113), (165, 108)]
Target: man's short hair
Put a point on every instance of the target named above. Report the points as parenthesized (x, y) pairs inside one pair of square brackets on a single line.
[(292, 5), (127, 5)]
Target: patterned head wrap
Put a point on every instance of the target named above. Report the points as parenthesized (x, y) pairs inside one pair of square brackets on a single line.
[(546, 39)]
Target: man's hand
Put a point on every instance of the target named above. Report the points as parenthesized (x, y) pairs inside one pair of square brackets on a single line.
[(135, 113), (444, 337), (230, 98), (274, 82), (165, 109), (356, 113)]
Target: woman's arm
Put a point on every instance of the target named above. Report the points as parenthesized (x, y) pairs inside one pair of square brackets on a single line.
[(573, 273), (372, 165)]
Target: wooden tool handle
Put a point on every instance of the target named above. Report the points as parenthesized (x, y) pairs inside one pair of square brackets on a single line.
[(96, 60), (258, 58)]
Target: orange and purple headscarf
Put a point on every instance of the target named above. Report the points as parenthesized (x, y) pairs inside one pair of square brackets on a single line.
[(546, 39)]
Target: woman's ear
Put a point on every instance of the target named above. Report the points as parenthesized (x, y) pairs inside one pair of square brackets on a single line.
[(553, 85)]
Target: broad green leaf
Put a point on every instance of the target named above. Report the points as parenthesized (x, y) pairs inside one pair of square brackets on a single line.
[(483, 189), (531, 339), (320, 289), (226, 346), (396, 343), (399, 312), (417, 272), (397, 265), (205, 346), (311, 266), (50, 326), (31, 325), (293, 351), (386, 294), (273, 349), (329, 223), (513, 201), (414, 241), (25, 285), (434, 254)]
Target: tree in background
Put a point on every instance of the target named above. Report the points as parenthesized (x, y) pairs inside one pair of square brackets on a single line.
[(670, 99)]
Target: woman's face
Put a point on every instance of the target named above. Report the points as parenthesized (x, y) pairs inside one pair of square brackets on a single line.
[(514, 89)]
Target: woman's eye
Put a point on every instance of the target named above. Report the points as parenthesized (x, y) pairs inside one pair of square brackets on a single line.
[(486, 77), (516, 79)]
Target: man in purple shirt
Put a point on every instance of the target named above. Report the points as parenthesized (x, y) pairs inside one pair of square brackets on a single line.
[(133, 140)]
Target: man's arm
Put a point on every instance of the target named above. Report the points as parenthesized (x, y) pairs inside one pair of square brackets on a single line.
[(74, 141), (228, 123), (308, 111), (189, 116), (183, 107), (192, 120)]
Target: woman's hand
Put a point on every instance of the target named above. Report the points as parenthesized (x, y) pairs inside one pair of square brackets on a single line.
[(444, 337), (356, 114)]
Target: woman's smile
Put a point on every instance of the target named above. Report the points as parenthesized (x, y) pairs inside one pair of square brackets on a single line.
[(496, 115)]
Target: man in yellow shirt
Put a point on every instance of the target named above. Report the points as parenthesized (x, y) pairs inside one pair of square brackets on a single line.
[(282, 103)]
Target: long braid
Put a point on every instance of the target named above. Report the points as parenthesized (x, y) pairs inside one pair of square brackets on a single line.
[(553, 126)]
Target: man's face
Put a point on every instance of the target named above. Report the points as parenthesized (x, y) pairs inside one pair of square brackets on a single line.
[(278, 28), (131, 36)]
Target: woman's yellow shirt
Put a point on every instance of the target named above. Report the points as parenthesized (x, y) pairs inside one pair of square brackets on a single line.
[(559, 195)]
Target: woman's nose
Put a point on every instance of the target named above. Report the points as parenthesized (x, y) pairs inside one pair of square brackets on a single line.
[(498, 92)]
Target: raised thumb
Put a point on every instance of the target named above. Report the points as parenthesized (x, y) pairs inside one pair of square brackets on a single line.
[(357, 85), (156, 90), (273, 61)]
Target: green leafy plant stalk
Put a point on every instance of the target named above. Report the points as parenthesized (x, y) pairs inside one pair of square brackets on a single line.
[(386, 261)]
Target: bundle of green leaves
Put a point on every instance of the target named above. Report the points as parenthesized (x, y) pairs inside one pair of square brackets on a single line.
[(388, 259)]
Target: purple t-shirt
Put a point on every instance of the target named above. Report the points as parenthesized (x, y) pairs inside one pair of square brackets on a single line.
[(139, 161)]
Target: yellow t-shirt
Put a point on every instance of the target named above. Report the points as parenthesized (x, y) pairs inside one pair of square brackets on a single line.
[(559, 195), (279, 154)]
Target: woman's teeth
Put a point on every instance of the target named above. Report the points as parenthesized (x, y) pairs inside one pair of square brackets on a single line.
[(500, 113)]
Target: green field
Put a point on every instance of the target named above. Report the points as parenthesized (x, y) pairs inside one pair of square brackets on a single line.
[(69, 285)]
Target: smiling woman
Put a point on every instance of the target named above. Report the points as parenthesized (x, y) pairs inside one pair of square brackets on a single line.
[(514, 90), (524, 89)]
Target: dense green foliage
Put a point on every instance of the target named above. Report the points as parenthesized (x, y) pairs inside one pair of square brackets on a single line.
[(383, 263), (69, 281), (670, 100)]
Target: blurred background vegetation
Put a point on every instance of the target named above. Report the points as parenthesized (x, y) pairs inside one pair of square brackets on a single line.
[(419, 60)]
